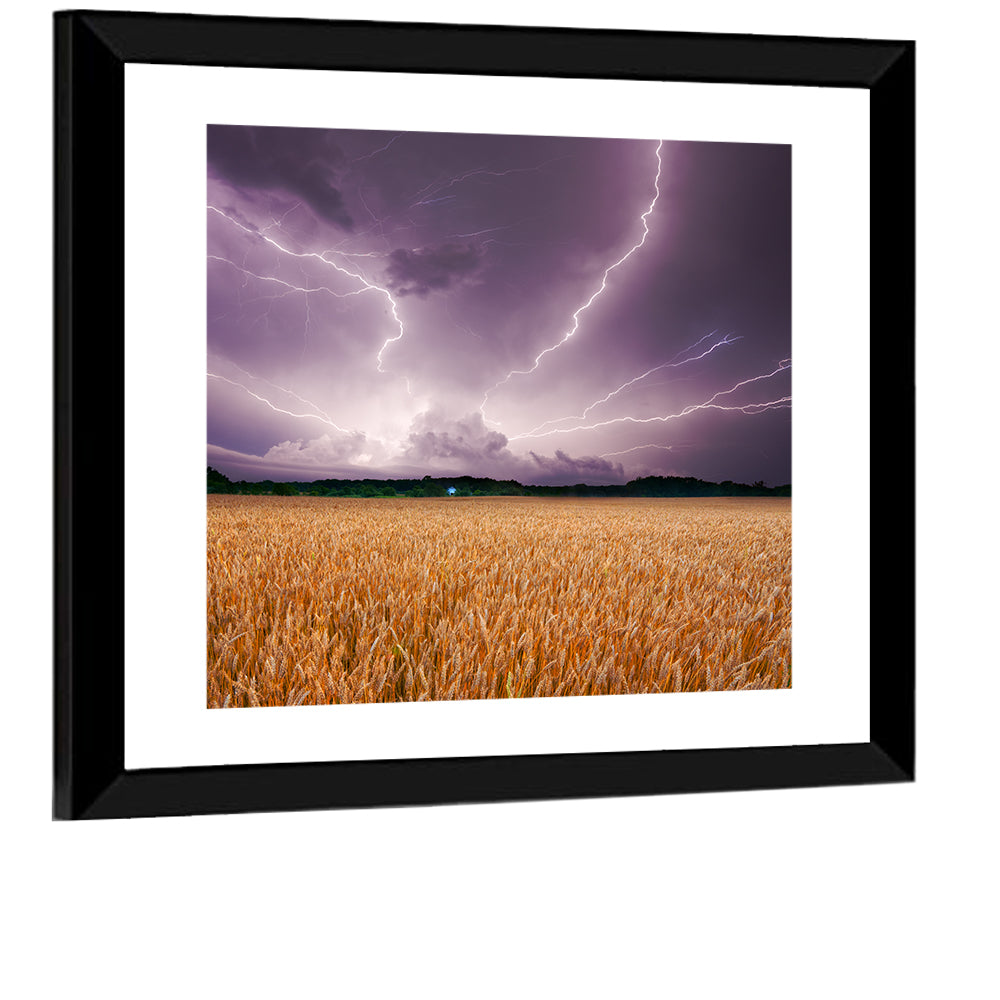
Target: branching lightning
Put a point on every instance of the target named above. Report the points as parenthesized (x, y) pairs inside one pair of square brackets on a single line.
[(673, 363), (710, 404), (644, 219), (436, 187), (278, 409), (291, 288), (288, 392), (321, 257), (382, 249)]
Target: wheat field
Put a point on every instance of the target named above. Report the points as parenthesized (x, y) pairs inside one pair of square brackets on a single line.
[(322, 601)]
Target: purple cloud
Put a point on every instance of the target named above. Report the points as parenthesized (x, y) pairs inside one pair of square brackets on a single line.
[(430, 269)]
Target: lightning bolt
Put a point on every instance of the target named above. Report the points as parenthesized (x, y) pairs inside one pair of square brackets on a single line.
[(638, 447), (291, 288), (483, 232), (436, 187), (460, 326), (644, 219), (322, 258), (381, 149), (353, 277), (278, 409), (673, 363), (278, 222), (709, 404), (281, 388)]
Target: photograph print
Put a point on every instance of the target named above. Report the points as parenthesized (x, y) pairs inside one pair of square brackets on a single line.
[(495, 416)]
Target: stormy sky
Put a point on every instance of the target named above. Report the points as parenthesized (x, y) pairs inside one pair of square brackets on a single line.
[(548, 309)]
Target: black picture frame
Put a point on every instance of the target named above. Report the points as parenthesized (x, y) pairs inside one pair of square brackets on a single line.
[(91, 51)]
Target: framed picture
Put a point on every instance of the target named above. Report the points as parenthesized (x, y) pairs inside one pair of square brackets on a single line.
[(489, 335)]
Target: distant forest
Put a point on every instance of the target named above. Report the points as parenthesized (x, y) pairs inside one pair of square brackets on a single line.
[(473, 486)]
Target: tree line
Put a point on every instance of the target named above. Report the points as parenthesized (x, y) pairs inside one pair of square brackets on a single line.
[(479, 486)]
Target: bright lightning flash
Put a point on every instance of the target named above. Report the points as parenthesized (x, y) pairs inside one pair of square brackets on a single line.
[(673, 363), (321, 257), (710, 404), (574, 326)]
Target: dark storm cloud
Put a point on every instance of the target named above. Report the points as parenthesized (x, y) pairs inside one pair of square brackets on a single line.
[(427, 269), (300, 162), (563, 466), (468, 439), (468, 445), (480, 278)]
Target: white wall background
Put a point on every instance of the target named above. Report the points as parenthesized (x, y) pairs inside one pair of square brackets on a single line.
[(856, 892)]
